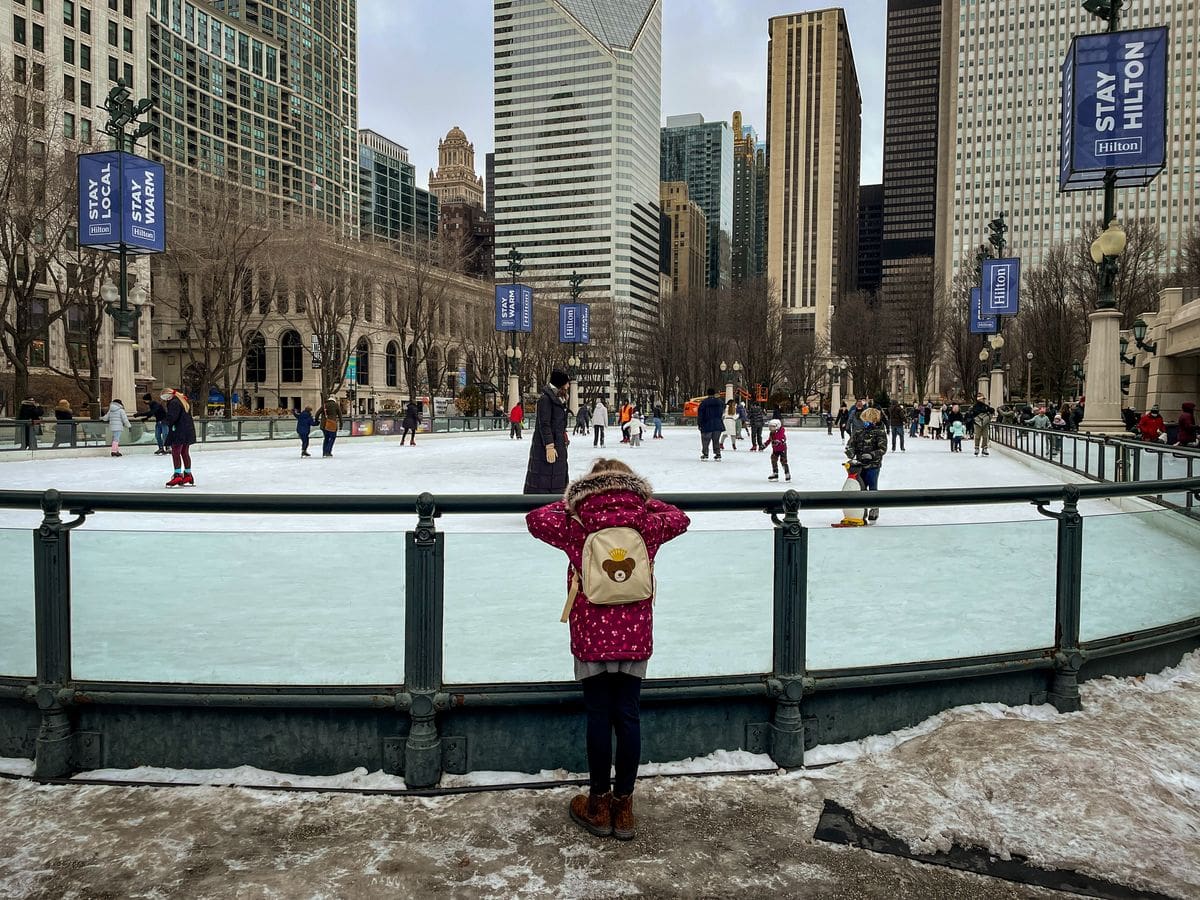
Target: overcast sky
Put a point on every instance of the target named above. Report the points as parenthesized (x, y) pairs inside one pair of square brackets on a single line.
[(425, 65)]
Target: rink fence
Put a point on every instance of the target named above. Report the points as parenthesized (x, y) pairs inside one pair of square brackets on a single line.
[(424, 726), (1109, 459)]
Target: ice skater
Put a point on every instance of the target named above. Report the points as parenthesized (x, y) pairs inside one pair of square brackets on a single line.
[(637, 426), (118, 424), (181, 435), (777, 438), (410, 424), (331, 422), (304, 427), (612, 507), (958, 431), (599, 422), (731, 424)]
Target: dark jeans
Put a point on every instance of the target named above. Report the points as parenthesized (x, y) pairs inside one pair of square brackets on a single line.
[(713, 438), (756, 437), (870, 478), (598, 438), (612, 701), (327, 442), (897, 432), (161, 430), (410, 433), (304, 443)]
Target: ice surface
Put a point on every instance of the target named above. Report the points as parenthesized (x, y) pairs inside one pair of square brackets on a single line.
[(312, 599)]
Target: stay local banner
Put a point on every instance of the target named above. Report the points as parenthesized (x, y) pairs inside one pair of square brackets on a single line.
[(514, 307), (981, 324), (574, 323), (122, 203), (1114, 109), (1001, 287)]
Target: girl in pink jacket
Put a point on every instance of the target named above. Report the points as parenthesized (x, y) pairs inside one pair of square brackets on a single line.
[(611, 644)]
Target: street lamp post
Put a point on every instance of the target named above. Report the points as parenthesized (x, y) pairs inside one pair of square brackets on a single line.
[(1029, 377), (835, 389), (728, 382), (996, 380), (983, 387), (576, 281), (515, 268), (1077, 371), (123, 113)]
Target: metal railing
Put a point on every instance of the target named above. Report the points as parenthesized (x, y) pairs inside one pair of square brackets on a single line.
[(424, 725), (1105, 458)]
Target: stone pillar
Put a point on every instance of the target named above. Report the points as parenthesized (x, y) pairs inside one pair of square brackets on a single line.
[(123, 386), (728, 391), (573, 401), (983, 386), (1102, 387), (996, 387), (514, 391), (835, 397)]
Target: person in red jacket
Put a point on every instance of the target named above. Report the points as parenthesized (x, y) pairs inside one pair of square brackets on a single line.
[(1186, 425), (1151, 425), (516, 416), (611, 644)]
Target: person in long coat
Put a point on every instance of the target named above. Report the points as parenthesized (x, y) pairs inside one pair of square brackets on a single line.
[(547, 470)]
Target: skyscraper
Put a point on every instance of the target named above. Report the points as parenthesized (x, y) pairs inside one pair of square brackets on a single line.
[(321, 74), (1000, 118), (685, 238), (814, 114), (870, 238), (392, 207), (744, 262), (701, 154), (577, 85), (910, 148)]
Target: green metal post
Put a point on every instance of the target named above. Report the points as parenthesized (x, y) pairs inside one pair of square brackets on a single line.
[(423, 626), (1068, 659), (787, 682), (52, 608)]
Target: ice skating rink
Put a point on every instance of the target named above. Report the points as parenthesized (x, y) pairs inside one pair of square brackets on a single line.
[(320, 600)]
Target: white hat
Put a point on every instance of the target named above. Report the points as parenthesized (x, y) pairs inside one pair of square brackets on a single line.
[(774, 424)]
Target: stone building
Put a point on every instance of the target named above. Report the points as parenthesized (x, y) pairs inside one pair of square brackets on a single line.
[(685, 244), (455, 180)]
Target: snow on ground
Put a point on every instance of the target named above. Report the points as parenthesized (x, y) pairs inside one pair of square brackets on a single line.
[(1112, 791), (320, 600)]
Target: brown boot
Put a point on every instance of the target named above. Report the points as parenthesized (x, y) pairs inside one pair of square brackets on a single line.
[(593, 812), (624, 825)]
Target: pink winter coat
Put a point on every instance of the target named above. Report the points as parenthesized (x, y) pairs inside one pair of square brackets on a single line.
[(607, 500)]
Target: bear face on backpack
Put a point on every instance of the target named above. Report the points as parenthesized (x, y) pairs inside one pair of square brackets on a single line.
[(611, 528)]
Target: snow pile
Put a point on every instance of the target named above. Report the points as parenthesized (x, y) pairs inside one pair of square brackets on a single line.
[(248, 776), (16, 766), (1112, 791)]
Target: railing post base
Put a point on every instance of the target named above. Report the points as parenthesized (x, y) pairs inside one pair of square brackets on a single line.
[(1064, 690), (786, 737), (423, 749), (53, 754)]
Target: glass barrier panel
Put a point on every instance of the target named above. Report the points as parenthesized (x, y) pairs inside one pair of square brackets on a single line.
[(1140, 570), (884, 595), (18, 648), (256, 429), (246, 608), (220, 430), (505, 593)]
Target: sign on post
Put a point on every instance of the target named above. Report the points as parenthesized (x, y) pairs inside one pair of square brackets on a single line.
[(980, 323), (1001, 287), (316, 352), (514, 307), (574, 325), (122, 204), (1114, 109)]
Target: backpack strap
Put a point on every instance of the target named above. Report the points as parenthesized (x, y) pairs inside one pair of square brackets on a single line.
[(572, 593)]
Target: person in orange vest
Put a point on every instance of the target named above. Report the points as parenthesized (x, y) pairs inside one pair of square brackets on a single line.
[(624, 420)]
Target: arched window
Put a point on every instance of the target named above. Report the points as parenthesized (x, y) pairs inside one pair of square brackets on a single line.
[(256, 359), (392, 361), (363, 354), (291, 358)]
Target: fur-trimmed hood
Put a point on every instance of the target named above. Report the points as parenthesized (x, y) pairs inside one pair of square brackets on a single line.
[(603, 482)]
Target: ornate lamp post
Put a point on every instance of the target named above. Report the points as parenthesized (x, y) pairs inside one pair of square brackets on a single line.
[(1029, 377), (1139, 336), (984, 386), (515, 268), (576, 281), (1077, 371), (123, 113), (835, 388), (728, 382), (996, 385)]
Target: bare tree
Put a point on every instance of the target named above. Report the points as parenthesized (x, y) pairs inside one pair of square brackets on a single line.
[(1187, 274), (922, 307), (861, 333), (222, 260), (754, 323), (803, 362), (326, 282), (1051, 322), (962, 347), (37, 215), (76, 288)]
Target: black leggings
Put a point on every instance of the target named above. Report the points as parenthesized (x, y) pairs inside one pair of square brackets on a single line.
[(612, 701)]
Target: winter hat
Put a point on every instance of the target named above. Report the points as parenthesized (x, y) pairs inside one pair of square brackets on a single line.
[(63, 404), (774, 424), (559, 378), (146, 397), (1059, 420)]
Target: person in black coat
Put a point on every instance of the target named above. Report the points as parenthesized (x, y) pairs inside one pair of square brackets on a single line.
[(180, 437), (410, 424), (30, 413), (709, 420), (157, 412), (547, 470), (304, 427)]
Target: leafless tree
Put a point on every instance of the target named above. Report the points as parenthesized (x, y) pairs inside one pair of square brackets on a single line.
[(1051, 322), (803, 362), (921, 311), (861, 333), (224, 260), (37, 216), (1187, 274), (962, 347), (76, 289), (754, 323), (327, 276)]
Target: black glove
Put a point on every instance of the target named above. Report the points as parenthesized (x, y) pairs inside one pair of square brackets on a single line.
[(866, 457)]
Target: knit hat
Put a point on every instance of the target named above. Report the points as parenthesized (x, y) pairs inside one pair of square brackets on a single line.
[(559, 378), (146, 397)]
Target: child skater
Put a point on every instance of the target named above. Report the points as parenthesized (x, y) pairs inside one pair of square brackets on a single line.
[(957, 432), (777, 437), (611, 644), (637, 426)]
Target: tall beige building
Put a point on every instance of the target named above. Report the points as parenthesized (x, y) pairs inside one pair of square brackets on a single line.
[(688, 249), (814, 124), (455, 180)]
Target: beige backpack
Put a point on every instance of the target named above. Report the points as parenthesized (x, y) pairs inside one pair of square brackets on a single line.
[(616, 569)]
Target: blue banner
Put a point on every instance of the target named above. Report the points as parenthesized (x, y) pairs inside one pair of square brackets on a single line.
[(574, 326), (122, 203), (1001, 287), (981, 324), (143, 205), (514, 307), (99, 200), (1114, 109)]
